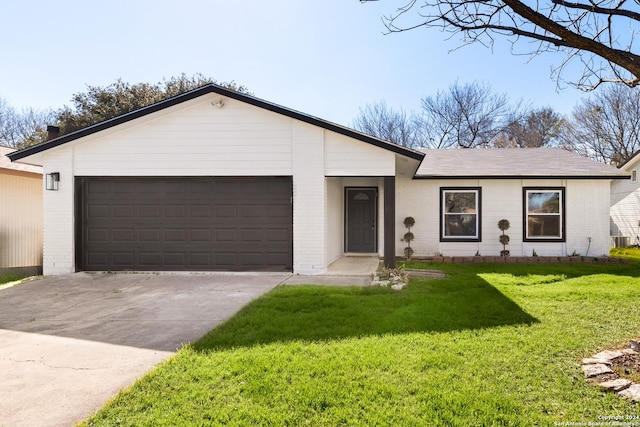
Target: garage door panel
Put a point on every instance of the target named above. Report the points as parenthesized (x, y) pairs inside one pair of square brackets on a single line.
[(226, 211), (278, 235), (148, 211), (122, 258), (174, 211), (226, 260), (251, 235), (175, 235), (200, 211), (98, 235), (251, 259), (200, 259), (124, 235), (200, 235), (174, 259), (152, 259), (99, 258), (149, 235), (230, 223), (226, 235), (123, 211)]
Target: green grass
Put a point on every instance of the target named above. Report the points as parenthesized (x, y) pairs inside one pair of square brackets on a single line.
[(9, 277), (632, 253), (491, 345)]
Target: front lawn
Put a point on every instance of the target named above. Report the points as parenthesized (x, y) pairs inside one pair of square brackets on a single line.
[(489, 345)]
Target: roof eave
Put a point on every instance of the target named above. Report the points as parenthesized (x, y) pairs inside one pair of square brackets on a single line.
[(212, 88), (522, 177)]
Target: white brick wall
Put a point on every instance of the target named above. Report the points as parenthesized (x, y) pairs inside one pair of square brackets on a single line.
[(58, 233), (309, 196), (586, 216)]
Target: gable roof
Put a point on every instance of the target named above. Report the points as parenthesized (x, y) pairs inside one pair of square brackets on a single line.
[(213, 88), (5, 163), (521, 163), (631, 162)]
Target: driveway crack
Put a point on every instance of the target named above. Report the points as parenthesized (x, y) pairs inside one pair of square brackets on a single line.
[(48, 365)]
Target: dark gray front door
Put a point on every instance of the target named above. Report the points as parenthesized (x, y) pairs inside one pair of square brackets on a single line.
[(361, 227), (186, 223)]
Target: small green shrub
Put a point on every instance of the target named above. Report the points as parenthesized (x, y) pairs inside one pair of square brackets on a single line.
[(504, 225), (408, 236)]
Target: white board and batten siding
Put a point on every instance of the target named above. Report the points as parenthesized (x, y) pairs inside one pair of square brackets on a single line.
[(586, 217)]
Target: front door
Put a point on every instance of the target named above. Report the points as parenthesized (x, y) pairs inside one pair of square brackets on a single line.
[(360, 221)]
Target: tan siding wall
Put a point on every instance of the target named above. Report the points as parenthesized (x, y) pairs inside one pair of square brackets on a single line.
[(20, 220)]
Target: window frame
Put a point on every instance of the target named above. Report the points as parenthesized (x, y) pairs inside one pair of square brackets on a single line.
[(478, 236), (634, 175), (525, 214)]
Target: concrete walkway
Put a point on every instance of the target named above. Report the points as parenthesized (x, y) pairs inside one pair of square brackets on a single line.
[(346, 271)]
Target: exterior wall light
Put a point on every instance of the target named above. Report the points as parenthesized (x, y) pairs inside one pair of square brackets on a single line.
[(53, 181)]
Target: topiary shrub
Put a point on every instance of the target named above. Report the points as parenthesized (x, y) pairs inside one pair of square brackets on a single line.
[(504, 225), (408, 236)]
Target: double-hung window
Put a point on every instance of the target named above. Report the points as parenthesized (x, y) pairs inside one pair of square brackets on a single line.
[(544, 214), (460, 214)]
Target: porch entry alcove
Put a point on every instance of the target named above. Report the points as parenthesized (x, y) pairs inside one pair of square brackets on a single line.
[(361, 228)]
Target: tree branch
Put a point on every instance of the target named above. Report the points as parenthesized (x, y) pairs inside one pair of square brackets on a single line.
[(601, 10)]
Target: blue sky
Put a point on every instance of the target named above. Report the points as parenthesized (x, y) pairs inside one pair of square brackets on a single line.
[(325, 58)]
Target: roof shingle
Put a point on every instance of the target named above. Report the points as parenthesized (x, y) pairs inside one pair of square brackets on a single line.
[(511, 163)]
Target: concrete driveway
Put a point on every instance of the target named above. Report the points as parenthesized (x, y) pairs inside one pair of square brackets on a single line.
[(70, 343)]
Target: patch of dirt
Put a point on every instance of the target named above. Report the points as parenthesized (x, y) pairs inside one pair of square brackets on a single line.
[(626, 366)]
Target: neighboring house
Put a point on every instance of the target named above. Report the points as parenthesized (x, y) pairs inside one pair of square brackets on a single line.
[(218, 180), (625, 206), (20, 216)]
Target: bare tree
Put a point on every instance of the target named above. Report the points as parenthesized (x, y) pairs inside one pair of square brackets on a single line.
[(465, 116), (21, 128), (538, 128), (600, 34), (606, 126), (386, 123)]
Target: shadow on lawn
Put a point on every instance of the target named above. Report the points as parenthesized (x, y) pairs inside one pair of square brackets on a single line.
[(319, 313)]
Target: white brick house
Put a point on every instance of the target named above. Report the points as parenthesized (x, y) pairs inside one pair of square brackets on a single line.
[(218, 180)]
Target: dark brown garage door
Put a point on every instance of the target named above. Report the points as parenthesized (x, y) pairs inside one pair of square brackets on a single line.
[(189, 224)]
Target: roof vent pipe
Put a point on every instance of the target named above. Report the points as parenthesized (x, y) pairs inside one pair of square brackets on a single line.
[(52, 132)]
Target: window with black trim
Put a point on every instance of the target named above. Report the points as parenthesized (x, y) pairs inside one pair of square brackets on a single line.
[(544, 214), (460, 214)]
